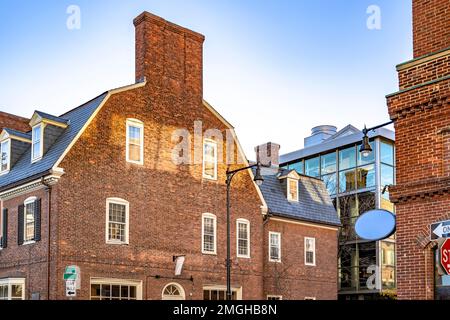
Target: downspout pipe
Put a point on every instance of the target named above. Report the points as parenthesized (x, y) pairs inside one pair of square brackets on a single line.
[(49, 209)]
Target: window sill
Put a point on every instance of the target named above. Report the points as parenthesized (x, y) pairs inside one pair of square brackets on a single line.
[(26, 243), (139, 163), (310, 265), (209, 253), (117, 243), (243, 257), (209, 178), (4, 172), (276, 261)]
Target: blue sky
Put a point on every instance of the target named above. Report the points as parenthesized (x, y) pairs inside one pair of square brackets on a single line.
[(274, 69)]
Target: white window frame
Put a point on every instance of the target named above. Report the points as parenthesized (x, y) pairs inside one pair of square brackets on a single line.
[(127, 220), (41, 141), (289, 190), (25, 203), (210, 216), (279, 246), (8, 164), (277, 297), (214, 145), (11, 282), (112, 281), (314, 251), (180, 288), (238, 290), (136, 124), (247, 223)]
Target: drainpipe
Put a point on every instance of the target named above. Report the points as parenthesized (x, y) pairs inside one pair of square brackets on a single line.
[(49, 206)]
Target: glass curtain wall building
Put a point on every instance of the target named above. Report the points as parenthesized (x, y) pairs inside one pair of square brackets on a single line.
[(356, 184)]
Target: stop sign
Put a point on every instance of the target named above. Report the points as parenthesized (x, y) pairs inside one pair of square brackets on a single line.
[(445, 256)]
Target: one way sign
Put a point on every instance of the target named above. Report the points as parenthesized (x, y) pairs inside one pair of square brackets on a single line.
[(440, 230)]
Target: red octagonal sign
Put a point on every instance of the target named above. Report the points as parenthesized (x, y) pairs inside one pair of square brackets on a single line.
[(445, 256)]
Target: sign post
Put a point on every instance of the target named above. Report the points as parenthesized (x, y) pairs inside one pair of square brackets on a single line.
[(72, 276), (445, 256)]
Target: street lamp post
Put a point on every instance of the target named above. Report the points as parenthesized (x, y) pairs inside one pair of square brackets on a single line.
[(365, 148), (230, 174)]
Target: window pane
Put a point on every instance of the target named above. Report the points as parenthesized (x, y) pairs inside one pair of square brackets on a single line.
[(36, 150), (36, 142), (369, 159), (134, 152), (312, 167), (4, 292), (133, 291), (243, 239), (366, 177), (4, 155), (95, 290), (347, 181), (387, 153), (134, 135), (293, 189), (209, 160), (29, 221), (328, 163), (208, 234), (298, 166), (347, 158), (387, 175), (330, 183), (348, 210), (116, 291)]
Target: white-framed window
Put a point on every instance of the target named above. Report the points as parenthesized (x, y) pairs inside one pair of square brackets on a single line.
[(117, 221), (135, 141), (274, 246), (173, 291), (210, 159), (37, 142), (29, 228), (310, 251), (12, 289), (5, 156), (274, 297), (292, 189), (219, 292), (243, 238), (209, 233), (115, 289)]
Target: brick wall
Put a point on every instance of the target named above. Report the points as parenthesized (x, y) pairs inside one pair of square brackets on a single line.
[(421, 111), (13, 122), (291, 278), (431, 21)]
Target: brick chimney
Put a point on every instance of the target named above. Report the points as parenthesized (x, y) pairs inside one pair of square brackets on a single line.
[(268, 154), (431, 26), (169, 56)]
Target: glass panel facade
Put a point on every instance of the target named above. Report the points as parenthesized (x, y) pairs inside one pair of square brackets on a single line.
[(387, 175), (365, 177), (297, 166), (347, 181), (347, 158), (312, 167), (388, 265), (328, 163), (366, 160), (348, 210), (330, 183), (386, 153)]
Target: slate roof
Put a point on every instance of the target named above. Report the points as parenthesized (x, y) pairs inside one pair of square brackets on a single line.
[(314, 203), (52, 117), (24, 170), (18, 133)]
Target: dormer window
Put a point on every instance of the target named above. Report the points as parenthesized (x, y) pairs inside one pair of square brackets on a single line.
[(37, 143), (5, 156), (292, 189)]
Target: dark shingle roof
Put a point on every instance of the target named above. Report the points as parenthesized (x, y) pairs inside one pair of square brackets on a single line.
[(12, 132), (52, 117), (24, 169), (314, 203)]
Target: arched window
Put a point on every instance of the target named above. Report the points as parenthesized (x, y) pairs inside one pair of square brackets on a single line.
[(173, 291)]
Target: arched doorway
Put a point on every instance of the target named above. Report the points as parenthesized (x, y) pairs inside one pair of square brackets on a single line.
[(173, 291)]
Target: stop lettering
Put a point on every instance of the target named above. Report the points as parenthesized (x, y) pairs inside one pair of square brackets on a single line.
[(445, 256)]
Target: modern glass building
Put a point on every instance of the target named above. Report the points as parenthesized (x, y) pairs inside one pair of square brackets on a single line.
[(356, 184)]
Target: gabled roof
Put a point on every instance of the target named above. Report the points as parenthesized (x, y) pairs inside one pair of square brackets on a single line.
[(39, 115), (346, 131), (15, 133), (25, 169), (314, 203)]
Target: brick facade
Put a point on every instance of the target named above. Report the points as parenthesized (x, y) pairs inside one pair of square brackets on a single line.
[(421, 111), (13, 122), (166, 200)]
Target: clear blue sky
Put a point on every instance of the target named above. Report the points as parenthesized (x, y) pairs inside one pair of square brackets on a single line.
[(274, 69)]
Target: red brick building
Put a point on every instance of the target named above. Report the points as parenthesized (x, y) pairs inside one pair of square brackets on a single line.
[(421, 111), (132, 182)]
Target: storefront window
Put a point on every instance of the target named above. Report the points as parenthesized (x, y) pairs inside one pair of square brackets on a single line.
[(312, 167), (388, 265)]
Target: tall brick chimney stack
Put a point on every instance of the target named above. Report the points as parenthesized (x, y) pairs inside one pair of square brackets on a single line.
[(169, 56), (431, 26)]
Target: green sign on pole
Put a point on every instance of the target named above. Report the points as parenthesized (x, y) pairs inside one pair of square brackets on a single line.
[(70, 273)]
